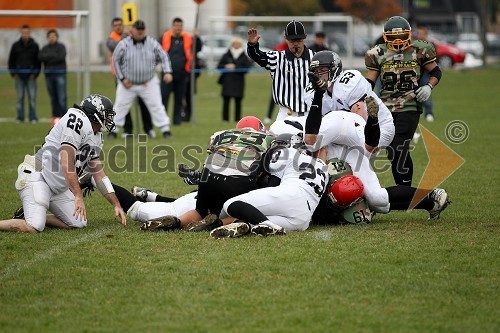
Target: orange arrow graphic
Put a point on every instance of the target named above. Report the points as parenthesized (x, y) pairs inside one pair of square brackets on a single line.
[(443, 161)]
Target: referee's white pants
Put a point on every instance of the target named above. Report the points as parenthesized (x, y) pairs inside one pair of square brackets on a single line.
[(150, 94), (285, 112)]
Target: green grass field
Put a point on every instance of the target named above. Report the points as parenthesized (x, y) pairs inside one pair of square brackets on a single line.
[(398, 274)]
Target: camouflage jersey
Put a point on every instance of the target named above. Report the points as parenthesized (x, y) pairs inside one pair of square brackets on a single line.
[(400, 72), (237, 152)]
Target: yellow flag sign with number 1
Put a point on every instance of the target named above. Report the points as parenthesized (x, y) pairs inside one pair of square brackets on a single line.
[(129, 13)]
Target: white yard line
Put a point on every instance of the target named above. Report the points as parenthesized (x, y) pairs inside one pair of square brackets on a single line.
[(52, 252)]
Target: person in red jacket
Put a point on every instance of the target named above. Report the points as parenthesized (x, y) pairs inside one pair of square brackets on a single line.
[(178, 44)]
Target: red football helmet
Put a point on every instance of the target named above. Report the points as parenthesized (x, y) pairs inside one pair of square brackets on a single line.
[(346, 191), (251, 122)]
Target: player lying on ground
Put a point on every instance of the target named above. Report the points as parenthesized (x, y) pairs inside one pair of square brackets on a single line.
[(49, 180), (342, 134), (288, 206), (231, 168)]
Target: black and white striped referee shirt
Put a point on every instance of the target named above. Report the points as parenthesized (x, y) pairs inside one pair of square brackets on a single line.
[(289, 75), (137, 61)]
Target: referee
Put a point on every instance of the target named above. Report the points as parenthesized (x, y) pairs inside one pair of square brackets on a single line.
[(288, 68), (135, 59)]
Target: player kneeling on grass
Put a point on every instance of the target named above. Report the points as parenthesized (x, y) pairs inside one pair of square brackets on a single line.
[(49, 180)]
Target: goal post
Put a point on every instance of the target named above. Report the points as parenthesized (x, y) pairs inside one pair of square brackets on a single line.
[(318, 22), (82, 27)]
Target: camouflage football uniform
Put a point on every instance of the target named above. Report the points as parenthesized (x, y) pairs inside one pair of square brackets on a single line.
[(231, 167), (400, 73)]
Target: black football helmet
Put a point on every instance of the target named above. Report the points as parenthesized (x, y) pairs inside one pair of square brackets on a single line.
[(288, 140), (397, 33), (328, 59), (99, 109)]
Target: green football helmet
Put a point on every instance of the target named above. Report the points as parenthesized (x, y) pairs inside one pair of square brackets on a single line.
[(359, 213), (337, 169), (397, 33)]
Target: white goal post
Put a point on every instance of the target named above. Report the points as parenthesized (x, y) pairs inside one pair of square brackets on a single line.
[(317, 20), (82, 27)]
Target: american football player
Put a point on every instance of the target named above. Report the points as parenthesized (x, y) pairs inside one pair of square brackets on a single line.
[(400, 63), (301, 181), (347, 90), (340, 143), (355, 209), (49, 180), (231, 168)]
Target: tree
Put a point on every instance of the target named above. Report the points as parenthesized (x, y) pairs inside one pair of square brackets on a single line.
[(275, 7), (370, 11)]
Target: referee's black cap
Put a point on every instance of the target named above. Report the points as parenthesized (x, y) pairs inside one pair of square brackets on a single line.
[(295, 30), (139, 25)]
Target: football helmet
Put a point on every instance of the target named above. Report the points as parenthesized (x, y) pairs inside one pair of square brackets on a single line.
[(397, 33), (346, 191), (251, 122), (99, 109), (328, 59), (288, 140)]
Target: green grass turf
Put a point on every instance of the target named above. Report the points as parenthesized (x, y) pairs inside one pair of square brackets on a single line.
[(398, 274)]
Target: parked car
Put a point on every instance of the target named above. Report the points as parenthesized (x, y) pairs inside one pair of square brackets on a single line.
[(493, 44), (470, 43), (448, 55)]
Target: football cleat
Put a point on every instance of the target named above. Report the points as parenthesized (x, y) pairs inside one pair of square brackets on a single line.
[(371, 107), (19, 213), (266, 230), (207, 224), (164, 223), (441, 201), (233, 230), (141, 193)]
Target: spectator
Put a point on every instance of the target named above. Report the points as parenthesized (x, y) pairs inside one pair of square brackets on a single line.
[(288, 68), (135, 59), (198, 64), (178, 44), (280, 47), (235, 63), (319, 43), (53, 58), (24, 67), (427, 105), (115, 36)]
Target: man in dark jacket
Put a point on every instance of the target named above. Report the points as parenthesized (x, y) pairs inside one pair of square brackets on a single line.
[(24, 67), (235, 64), (53, 57)]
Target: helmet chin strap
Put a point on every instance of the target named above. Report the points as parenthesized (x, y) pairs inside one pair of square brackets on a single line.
[(103, 128)]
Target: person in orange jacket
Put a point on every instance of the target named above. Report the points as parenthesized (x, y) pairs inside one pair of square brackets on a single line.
[(178, 44)]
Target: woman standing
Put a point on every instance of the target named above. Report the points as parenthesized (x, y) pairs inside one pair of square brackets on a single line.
[(235, 64)]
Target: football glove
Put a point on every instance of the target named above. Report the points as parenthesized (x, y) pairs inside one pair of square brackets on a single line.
[(190, 176), (423, 93), (318, 84)]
